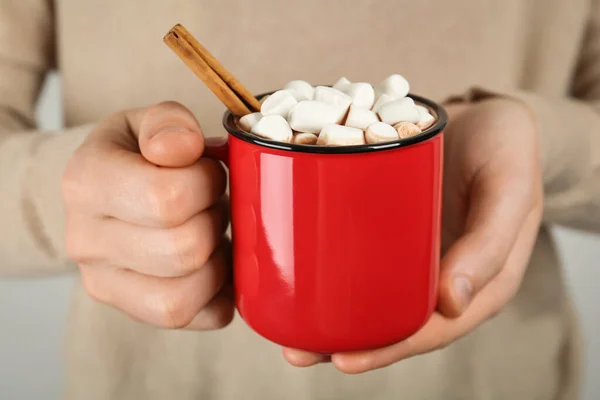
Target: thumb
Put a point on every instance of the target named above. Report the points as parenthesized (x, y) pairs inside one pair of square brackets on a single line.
[(170, 136), (498, 205)]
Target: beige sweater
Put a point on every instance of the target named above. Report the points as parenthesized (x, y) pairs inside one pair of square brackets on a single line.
[(111, 57)]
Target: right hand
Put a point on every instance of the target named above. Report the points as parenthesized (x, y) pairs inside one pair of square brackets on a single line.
[(146, 217)]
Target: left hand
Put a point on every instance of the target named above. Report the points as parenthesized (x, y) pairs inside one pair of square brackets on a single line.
[(493, 200)]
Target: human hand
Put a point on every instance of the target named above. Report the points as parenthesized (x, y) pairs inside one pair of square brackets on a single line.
[(493, 200), (146, 217)]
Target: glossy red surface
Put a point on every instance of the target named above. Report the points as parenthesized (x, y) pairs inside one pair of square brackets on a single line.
[(335, 252)]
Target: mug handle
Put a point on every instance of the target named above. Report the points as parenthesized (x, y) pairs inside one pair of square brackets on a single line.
[(217, 148)]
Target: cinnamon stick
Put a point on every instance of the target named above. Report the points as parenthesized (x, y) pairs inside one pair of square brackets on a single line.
[(200, 67), (212, 62)]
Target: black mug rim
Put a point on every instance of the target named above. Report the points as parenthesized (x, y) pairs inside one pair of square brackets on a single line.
[(436, 129)]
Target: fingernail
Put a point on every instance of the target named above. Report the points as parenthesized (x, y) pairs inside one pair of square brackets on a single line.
[(168, 129), (463, 292)]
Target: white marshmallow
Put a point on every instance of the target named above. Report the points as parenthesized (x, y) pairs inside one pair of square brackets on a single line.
[(426, 120), (337, 135), (279, 103), (273, 127), (301, 90), (305, 138), (249, 120), (422, 109), (394, 85), (362, 94), (341, 84), (401, 110), (360, 118), (407, 129), (333, 96), (311, 116), (380, 132), (381, 100)]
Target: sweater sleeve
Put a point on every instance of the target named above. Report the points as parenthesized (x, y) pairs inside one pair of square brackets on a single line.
[(569, 129), (31, 162)]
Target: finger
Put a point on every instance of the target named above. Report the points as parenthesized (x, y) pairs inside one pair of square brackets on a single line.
[(110, 177), (303, 359), (122, 185), (167, 135), (498, 203), (439, 331), (164, 302), (217, 314), (363, 361), (170, 252), (170, 136)]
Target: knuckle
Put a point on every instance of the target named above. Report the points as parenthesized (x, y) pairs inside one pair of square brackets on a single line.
[(70, 184), (190, 259), (80, 176), (191, 250), (172, 310), (167, 201)]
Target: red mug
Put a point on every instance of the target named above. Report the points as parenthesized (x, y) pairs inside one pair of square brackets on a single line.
[(335, 249)]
